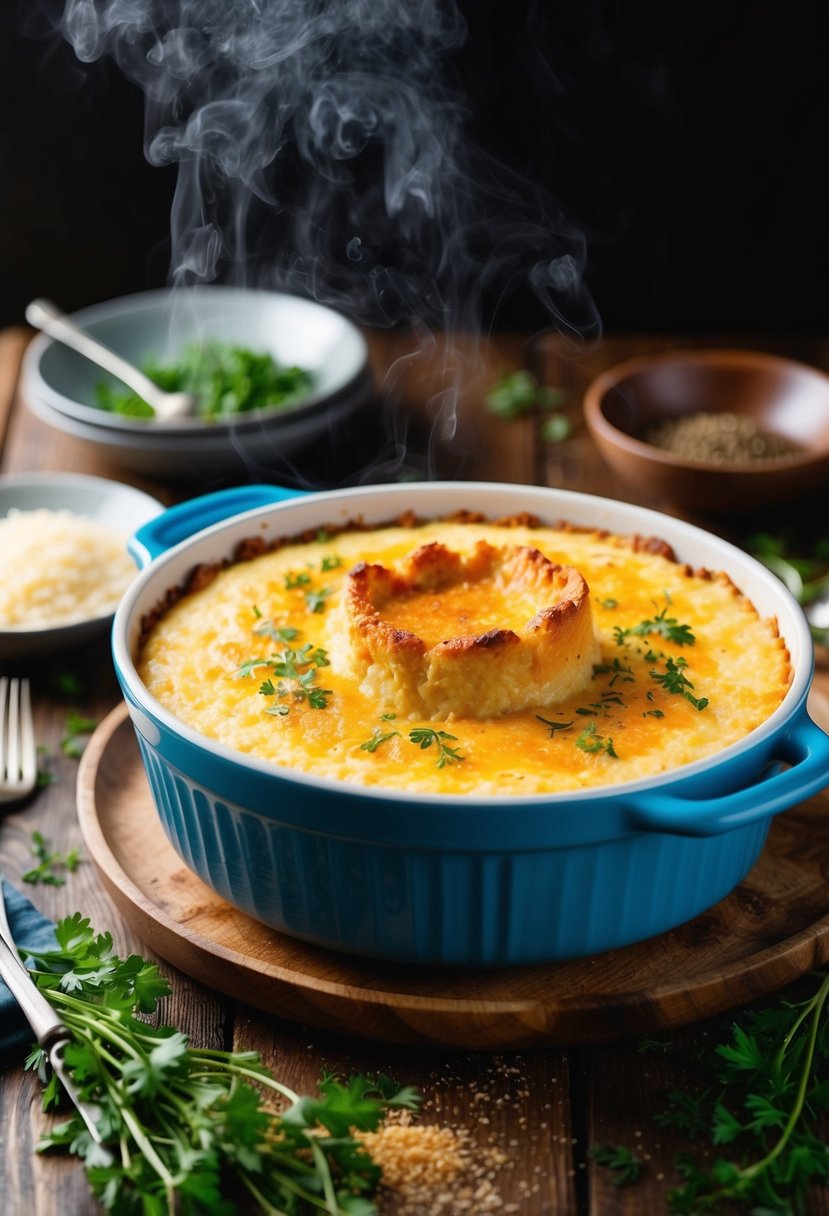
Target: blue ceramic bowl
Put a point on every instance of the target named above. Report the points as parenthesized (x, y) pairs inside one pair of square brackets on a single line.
[(457, 880)]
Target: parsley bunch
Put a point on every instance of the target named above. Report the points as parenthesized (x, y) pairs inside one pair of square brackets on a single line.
[(191, 1131), (760, 1108)]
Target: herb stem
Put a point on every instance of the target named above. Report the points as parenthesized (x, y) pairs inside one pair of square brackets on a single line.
[(813, 1009), (229, 1066)]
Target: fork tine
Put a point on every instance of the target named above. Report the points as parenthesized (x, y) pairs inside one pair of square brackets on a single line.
[(4, 685), (28, 750), (18, 752), (13, 741)]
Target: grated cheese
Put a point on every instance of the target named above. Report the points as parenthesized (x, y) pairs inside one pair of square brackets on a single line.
[(57, 568)]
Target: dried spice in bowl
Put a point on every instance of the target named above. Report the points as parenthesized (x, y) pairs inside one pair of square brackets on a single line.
[(720, 437)]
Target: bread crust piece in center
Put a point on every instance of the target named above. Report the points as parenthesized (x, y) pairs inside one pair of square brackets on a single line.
[(537, 662)]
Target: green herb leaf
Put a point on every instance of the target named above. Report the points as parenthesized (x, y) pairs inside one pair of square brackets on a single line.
[(49, 863), (426, 736), (624, 1164), (554, 726), (77, 730), (378, 737), (662, 624), (674, 681), (315, 600), (513, 395), (591, 741)]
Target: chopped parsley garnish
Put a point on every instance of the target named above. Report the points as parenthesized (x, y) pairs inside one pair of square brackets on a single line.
[(662, 624), (554, 726), (278, 633), (602, 706), (48, 863), (296, 578), (619, 672), (377, 738), (674, 681), (591, 741), (77, 733), (315, 600), (331, 561), (625, 1167), (426, 736), (296, 671), (609, 603), (225, 379)]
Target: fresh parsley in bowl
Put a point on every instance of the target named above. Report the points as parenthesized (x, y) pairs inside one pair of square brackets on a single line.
[(225, 379)]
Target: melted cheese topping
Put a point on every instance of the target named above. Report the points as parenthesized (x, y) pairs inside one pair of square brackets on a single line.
[(459, 610), (222, 661)]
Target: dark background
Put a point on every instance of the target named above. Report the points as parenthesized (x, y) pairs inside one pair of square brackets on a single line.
[(688, 142)]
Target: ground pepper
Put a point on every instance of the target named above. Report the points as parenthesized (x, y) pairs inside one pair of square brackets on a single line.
[(717, 438)]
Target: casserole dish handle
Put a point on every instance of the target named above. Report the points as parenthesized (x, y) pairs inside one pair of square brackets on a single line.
[(186, 518), (805, 750)]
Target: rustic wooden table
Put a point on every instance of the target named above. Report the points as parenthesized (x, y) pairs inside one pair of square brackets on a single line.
[(543, 1108)]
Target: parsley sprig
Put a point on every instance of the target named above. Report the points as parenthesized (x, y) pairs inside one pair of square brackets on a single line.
[(674, 680), (759, 1101), (592, 742), (49, 863), (623, 1163), (660, 624), (189, 1130), (296, 672), (379, 736), (427, 736)]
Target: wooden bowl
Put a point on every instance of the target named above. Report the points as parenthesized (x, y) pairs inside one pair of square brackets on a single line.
[(783, 398)]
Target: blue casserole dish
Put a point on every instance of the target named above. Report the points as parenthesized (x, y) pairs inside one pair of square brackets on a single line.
[(449, 880)]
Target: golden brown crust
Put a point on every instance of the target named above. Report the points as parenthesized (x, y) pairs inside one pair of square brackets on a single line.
[(486, 674)]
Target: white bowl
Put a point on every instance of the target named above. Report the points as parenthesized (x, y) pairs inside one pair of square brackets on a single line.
[(58, 384), (121, 507)]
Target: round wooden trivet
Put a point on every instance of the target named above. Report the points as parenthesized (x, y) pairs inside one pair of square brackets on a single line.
[(771, 929)]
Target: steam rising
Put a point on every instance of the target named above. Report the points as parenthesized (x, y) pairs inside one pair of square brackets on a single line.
[(322, 148)]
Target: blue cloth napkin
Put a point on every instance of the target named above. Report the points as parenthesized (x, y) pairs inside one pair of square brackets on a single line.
[(29, 928)]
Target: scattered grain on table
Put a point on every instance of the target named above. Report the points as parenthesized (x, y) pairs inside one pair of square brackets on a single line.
[(717, 438), (435, 1171)]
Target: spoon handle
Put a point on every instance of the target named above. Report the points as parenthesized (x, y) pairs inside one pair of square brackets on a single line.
[(42, 314)]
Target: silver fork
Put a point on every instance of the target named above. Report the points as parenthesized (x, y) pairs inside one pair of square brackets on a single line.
[(18, 754)]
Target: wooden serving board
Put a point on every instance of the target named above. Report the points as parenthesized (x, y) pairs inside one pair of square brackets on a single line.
[(770, 930)]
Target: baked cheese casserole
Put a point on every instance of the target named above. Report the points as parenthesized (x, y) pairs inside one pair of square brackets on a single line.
[(463, 656)]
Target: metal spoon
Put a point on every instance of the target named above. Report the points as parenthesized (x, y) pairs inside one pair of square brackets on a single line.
[(42, 314)]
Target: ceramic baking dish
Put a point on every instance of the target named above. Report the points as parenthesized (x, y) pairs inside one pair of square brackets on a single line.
[(457, 880)]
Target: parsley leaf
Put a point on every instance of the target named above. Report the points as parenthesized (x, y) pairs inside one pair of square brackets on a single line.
[(663, 625), (49, 862), (554, 726), (591, 741), (626, 1167), (674, 681), (315, 600), (426, 736), (297, 672), (377, 737)]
